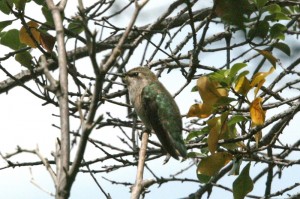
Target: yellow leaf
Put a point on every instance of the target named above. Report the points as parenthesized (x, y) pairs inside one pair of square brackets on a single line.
[(213, 122), (258, 77), (209, 90), (25, 37), (212, 140), (258, 137), (200, 110), (242, 86), (218, 129), (259, 85), (220, 123), (257, 114), (211, 165), (268, 55)]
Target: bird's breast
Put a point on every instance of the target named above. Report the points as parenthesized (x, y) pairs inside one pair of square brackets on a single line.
[(139, 108)]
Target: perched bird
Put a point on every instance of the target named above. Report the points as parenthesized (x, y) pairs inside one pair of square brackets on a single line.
[(156, 108)]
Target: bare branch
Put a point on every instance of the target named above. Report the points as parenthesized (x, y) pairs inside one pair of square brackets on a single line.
[(139, 185), (63, 184)]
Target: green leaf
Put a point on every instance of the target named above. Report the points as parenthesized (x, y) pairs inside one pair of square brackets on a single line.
[(277, 31), (3, 24), (48, 16), (221, 76), (203, 178), (223, 101), (261, 30), (283, 48), (20, 4), (236, 119), (287, 10), (39, 2), (281, 16), (218, 76), (194, 89), (236, 163), (243, 184), (232, 12), (211, 165), (244, 73), (276, 17), (24, 59), (76, 27), (260, 3), (4, 8), (11, 39), (235, 69), (195, 155), (296, 9), (205, 149), (195, 134), (274, 8)]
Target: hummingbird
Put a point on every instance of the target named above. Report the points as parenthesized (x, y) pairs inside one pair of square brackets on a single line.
[(157, 109)]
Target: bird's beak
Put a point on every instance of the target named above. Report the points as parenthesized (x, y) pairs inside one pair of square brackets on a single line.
[(122, 75)]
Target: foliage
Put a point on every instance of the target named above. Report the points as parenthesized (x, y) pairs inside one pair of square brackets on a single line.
[(240, 58)]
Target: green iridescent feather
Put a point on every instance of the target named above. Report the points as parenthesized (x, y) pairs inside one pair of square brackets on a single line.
[(165, 119)]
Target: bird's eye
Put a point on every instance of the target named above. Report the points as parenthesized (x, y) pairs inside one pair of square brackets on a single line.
[(135, 74)]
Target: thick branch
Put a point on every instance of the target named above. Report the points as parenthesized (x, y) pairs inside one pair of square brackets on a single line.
[(63, 187)]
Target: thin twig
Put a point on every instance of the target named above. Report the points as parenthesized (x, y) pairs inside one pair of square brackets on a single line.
[(107, 195)]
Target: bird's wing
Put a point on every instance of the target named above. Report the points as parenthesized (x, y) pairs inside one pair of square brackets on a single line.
[(164, 117)]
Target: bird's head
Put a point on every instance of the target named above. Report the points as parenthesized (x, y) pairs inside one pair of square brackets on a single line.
[(139, 77)]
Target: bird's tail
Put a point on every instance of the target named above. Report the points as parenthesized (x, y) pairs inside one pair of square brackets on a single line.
[(181, 149)]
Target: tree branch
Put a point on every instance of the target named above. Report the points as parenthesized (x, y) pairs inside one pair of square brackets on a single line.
[(138, 187), (63, 185)]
